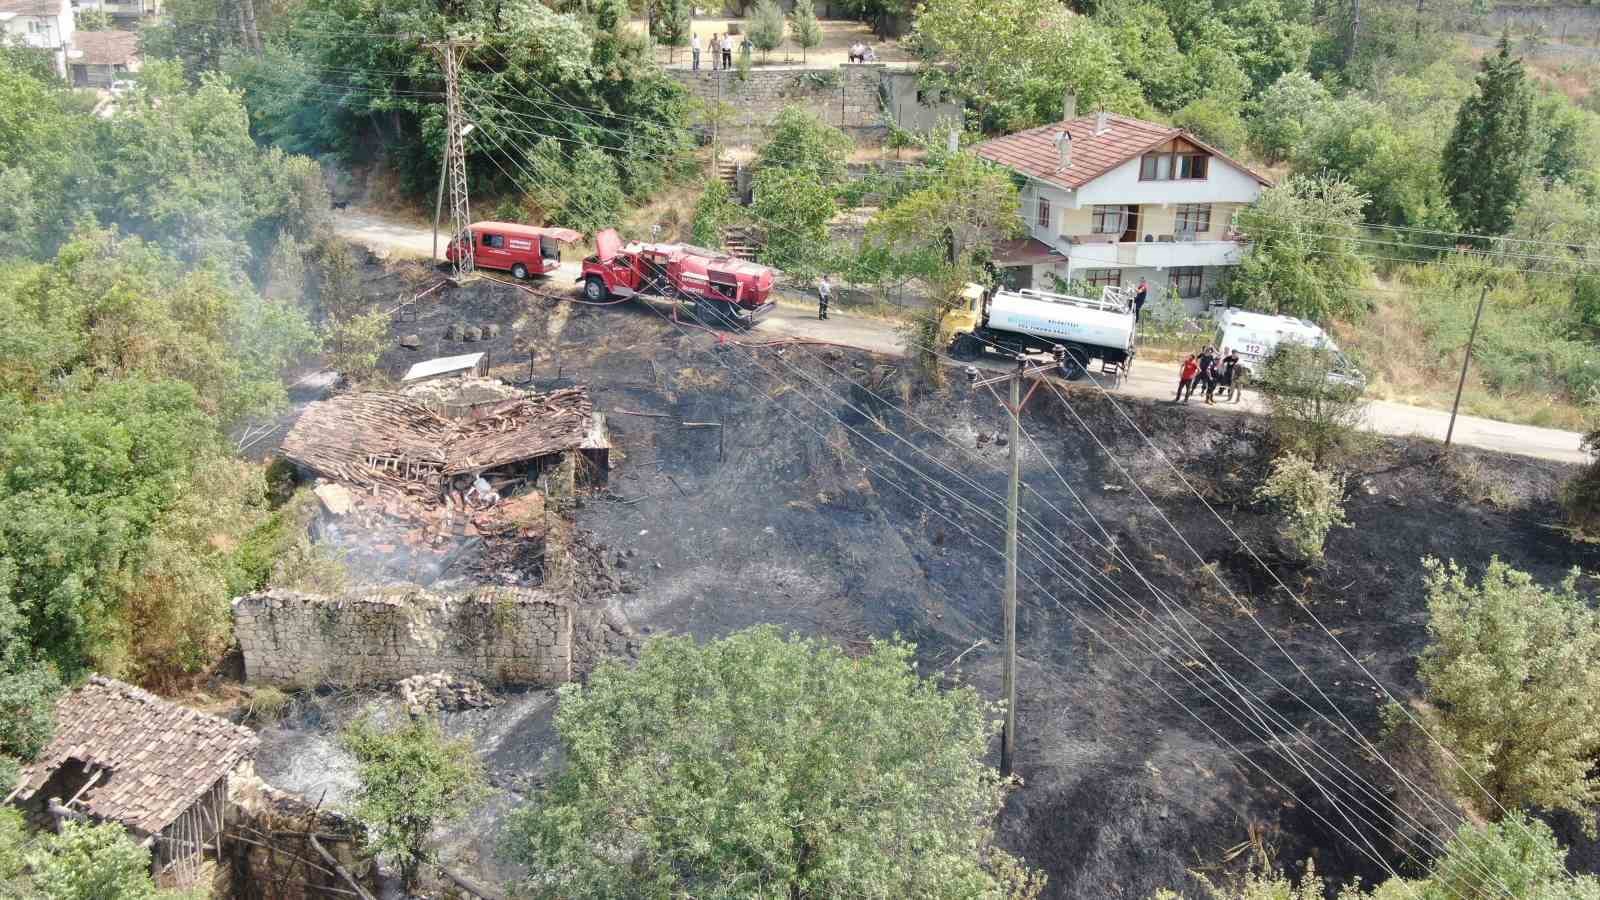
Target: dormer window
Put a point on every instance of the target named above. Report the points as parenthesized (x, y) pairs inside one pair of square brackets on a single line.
[(1176, 161)]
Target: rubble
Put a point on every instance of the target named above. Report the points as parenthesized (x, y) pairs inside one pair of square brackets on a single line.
[(336, 498), (462, 392), (443, 692)]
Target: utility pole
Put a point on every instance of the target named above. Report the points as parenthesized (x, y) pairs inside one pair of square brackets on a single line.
[(1483, 294), (455, 165), (1008, 608)]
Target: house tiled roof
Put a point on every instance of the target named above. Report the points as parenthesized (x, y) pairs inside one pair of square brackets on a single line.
[(40, 8), (1033, 152), (104, 48), (160, 757)]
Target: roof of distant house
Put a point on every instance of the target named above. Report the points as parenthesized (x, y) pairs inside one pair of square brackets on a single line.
[(159, 757), (104, 48), (1033, 152)]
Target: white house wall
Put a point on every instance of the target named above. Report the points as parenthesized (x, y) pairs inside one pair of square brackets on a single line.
[(1225, 184)]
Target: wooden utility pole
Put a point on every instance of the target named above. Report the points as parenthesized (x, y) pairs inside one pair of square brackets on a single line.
[(1008, 737), (455, 164), (1483, 294)]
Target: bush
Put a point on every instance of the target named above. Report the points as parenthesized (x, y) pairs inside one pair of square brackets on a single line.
[(266, 704), (1580, 496), (1514, 670), (1311, 414), (714, 213), (804, 143), (766, 27), (1311, 503)]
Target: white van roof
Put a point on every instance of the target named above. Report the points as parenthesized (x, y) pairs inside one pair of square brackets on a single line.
[(1286, 326)]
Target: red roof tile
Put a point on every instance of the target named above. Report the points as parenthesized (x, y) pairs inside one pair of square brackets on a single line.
[(1033, 152), (1025, 252)]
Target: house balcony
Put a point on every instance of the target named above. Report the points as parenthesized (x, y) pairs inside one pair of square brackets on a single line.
[(1106, 252)]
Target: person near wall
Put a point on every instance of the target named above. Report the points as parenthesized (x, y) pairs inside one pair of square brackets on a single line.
[(824, 292), (694, 51), (716, 51), (1140, 294), (858, 52), (727, 51)]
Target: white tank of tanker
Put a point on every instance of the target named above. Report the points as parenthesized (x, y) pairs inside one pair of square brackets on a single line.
[(1088, 328)]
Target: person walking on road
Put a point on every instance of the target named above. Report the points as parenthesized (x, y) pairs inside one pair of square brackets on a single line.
[(694, 52), (1186, 379), (1140, 294), (824, 291), (727, 51), (1230, 363)]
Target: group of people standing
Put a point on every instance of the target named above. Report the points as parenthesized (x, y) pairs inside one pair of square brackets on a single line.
[(721, 51), (1211, 372)]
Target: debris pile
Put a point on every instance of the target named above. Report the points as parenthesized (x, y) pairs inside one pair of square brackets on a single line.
[(443, 692)]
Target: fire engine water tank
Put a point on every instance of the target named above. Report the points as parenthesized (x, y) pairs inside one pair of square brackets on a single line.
[(1067, 319)]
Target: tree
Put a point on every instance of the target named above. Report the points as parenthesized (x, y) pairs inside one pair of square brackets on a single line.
[(1303, 259), (714, 213), (92, 20), (804, 29), (1310, 501), (1580, 496), (1216, 121), (91, 862), (940, 233), (412, 779), (1313, 399), (1514, 670), (766, 27), (793, 208), (759, 766), (1283, 113), (672, 23), (1492, 147), (802, 142)]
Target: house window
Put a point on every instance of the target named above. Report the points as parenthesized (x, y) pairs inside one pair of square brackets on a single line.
[(497, 241), (1044, 212), (1193, 218), (1167, 166), (1192, 166), (1102, 277), (1186, 281), (1108, 219)]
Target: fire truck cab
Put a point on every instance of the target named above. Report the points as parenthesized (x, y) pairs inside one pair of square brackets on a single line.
[(522, 250), (722, 287)]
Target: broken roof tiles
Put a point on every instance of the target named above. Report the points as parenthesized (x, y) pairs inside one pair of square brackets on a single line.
[(159, 757), (376, 438)]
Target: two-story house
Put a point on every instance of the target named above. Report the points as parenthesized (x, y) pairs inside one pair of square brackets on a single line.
[(41, 24), (1110, 199)]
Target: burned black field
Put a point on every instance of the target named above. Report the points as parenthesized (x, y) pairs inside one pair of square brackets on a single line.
[(820, 490)]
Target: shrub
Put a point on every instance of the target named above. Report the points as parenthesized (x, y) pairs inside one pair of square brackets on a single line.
[(266, 704), (714, 213), (804, 143), (1313, 414), (766, 27), (1514, 669), (1311, 502), (1580, 496)]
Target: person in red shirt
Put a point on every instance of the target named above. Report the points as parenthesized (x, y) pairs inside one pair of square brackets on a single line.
[(1191, 368)]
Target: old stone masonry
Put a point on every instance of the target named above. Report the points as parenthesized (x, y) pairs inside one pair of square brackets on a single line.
[(497, 635)]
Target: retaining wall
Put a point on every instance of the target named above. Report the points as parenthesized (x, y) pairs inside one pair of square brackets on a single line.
[(847, 96), (496, 635)]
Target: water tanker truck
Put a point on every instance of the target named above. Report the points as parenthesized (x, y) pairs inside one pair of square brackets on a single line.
[(1028, 321)]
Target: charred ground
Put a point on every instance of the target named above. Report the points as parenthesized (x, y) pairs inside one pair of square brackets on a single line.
[(784, 503)]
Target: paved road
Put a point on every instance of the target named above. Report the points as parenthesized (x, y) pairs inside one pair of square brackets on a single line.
[(796, 317)]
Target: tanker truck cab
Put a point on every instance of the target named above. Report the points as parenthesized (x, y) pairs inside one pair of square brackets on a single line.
[(1256, 336), (1029, 321)]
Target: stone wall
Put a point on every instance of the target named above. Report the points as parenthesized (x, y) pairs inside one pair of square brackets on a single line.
[(1571, 24), (496, 635), (846, 96)]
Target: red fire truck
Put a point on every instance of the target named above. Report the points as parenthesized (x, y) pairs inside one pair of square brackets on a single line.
[(722, 287), (522, 250)]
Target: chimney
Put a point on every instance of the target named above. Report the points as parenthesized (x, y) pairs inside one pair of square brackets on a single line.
[(1101, 122), (1069, 107), (1063, 144)]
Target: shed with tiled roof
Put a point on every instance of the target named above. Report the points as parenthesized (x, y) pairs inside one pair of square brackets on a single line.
[(124, 755)]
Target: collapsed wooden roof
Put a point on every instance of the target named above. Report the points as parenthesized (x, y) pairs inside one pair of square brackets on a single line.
[(157, 757), (377, 438)]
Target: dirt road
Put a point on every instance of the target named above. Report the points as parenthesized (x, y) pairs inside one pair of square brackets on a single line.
[(796, 317)]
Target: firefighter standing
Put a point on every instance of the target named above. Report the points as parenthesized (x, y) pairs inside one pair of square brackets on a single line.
[(824, 290)]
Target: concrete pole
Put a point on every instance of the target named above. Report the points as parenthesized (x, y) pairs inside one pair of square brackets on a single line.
[(1465, 362), (1008, 737), (438, 202)]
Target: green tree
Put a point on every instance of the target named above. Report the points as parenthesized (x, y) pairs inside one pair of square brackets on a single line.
[(804, 29), (801, 142), (714, 213), (672, 23), (1283, 113), (92, 20), (741, 768), (1215, 120), (793, 209), (1492, 147), (1513, 669), (94, 862), (767, 27), (1303, 259), (1313, 400), (412, 780)]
